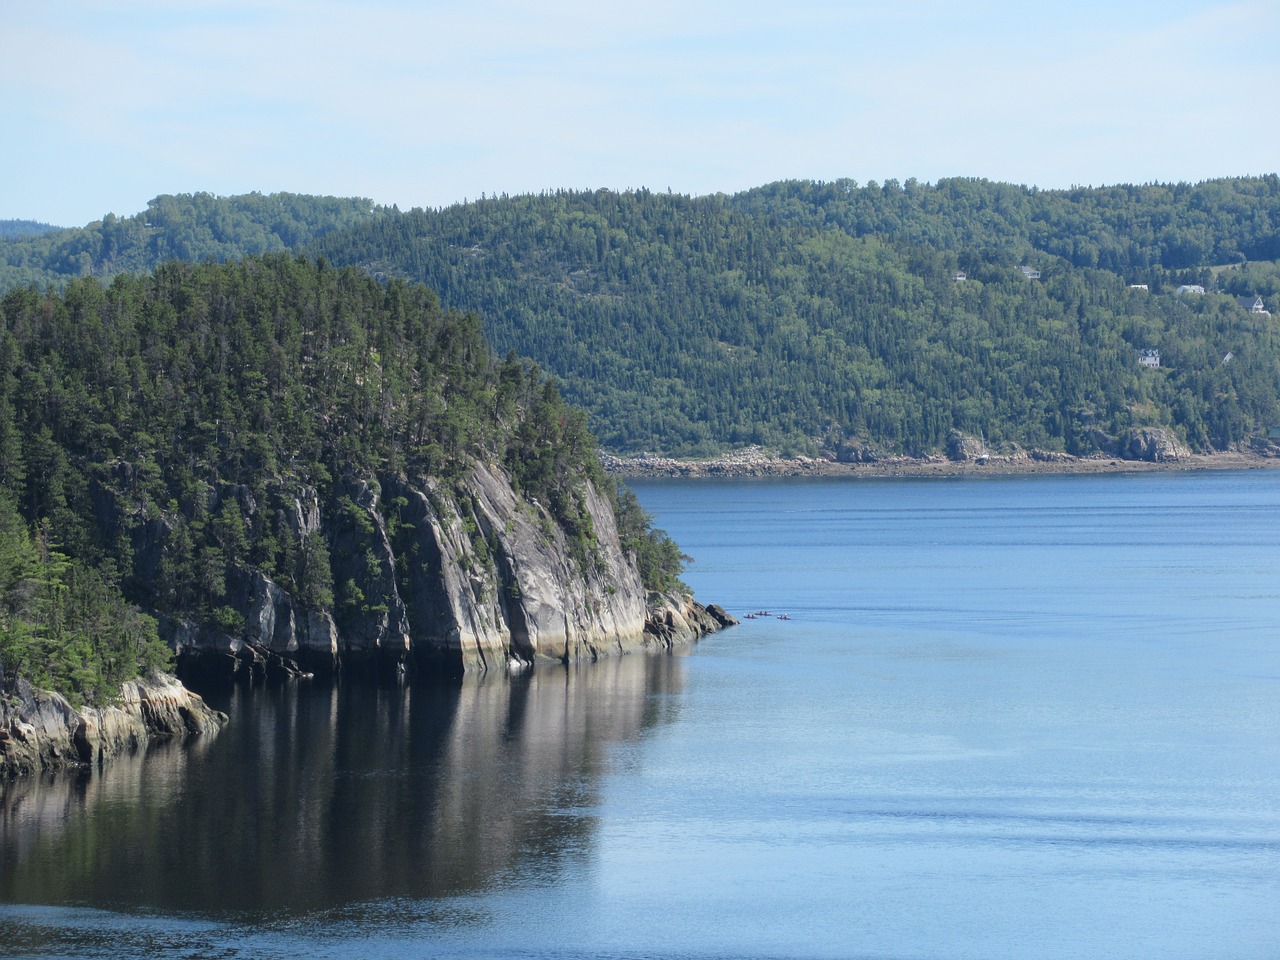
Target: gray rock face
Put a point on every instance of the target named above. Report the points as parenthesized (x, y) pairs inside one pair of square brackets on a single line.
[(1265, 447), (674, 619), (464, 579), (1152, 444), (963, 448), (361, 553), (41, 730)]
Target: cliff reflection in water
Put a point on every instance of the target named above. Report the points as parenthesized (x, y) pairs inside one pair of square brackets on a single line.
[(318, 796)]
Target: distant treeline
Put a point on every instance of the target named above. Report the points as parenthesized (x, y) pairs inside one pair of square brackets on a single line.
[(192, 227), (802, 314), (10, 229), (831, 311)]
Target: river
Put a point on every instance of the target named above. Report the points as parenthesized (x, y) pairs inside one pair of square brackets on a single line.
[(1034, 717)]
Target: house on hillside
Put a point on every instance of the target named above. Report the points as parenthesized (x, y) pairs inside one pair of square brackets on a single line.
[(1149, 358), (959, 275), (1253, 305), (1138, 286), (1190, 288), (1031, 273)]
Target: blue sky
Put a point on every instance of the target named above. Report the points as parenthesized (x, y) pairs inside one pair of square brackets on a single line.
[(105, 105)]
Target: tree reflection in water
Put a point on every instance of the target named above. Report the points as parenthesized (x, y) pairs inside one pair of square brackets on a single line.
[(318, 796)]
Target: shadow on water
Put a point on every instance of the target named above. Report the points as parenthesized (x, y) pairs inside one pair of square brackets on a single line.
[(319, 796)]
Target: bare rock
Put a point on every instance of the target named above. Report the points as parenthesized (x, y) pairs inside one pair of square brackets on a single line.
[(41, 730), (674, 618), (963, 448), (1152, 444), (464, 578)]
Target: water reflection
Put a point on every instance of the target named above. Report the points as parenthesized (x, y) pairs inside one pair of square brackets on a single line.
[(320, 796)]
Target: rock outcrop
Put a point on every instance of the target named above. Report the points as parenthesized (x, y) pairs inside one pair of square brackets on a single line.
[(462, 578), (674, 619), (41, 730), (1152, 444), (963, 448)]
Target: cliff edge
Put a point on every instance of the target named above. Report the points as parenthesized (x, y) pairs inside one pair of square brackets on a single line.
[(40, 730), (460, 578)]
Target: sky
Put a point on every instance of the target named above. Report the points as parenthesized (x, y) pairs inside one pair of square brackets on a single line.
[(105, 105)]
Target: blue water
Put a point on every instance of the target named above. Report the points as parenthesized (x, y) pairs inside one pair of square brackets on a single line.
[(1028, 718)]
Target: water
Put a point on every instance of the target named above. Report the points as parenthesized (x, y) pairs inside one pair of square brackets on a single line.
[(1025, 718)]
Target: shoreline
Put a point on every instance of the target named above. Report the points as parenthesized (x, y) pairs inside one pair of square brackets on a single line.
[(40, 730), (756, 463)]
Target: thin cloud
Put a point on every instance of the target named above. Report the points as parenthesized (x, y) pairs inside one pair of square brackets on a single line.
[(427, 103)]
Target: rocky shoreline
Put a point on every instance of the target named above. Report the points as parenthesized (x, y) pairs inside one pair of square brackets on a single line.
[(474, 579), (478, 580), (757, 462), (40, 730)]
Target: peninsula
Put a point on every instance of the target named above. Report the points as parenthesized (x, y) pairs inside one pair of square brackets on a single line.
[(280, 468)]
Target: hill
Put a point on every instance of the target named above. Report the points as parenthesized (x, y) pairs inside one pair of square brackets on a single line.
[(805, 314), (11, 229), (280, 465), (811, 317), (193, 227)]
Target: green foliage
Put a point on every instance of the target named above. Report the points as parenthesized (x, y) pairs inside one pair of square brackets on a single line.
[(795, 315), (64, 624), (657, 556), (551, 455), (353, 597), (315, 575), (186, 409), (808, 313), (24, 228), (228, 620), (192, 227), (164, 426)]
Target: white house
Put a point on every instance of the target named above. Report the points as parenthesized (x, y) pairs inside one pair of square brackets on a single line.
[(1031, 273), (1149, 358), (1191, 288)]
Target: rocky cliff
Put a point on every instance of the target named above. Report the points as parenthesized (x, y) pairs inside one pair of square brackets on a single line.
[(41, 730), (467, 577), (463, 578)]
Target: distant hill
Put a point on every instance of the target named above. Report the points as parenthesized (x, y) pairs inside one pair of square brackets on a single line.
[(193, 227), (24, 228), (802, 314), (805, 315)]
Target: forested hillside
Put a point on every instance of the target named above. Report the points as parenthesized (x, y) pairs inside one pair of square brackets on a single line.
[(192, 227), (174, 440), (803, 312), (10, 229), (806, 315)]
